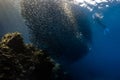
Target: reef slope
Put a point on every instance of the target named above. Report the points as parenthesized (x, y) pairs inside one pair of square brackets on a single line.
[(20, 61)]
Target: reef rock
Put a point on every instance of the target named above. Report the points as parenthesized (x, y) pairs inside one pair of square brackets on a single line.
[(19, 61), (58, 26)]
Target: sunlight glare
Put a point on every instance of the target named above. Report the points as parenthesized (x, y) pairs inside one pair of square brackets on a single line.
[(89, 4), (93, 2)]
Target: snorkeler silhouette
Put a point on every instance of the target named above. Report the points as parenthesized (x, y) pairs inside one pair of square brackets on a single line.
[(98, 19)]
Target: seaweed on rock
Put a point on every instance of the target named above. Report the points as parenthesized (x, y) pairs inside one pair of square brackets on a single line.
[(20, 61)]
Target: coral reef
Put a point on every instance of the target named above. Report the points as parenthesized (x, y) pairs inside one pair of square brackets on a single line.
[(19, 61), (58, 26)]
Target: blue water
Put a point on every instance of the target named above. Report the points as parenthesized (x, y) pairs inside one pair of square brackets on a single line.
[(103, 60)]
